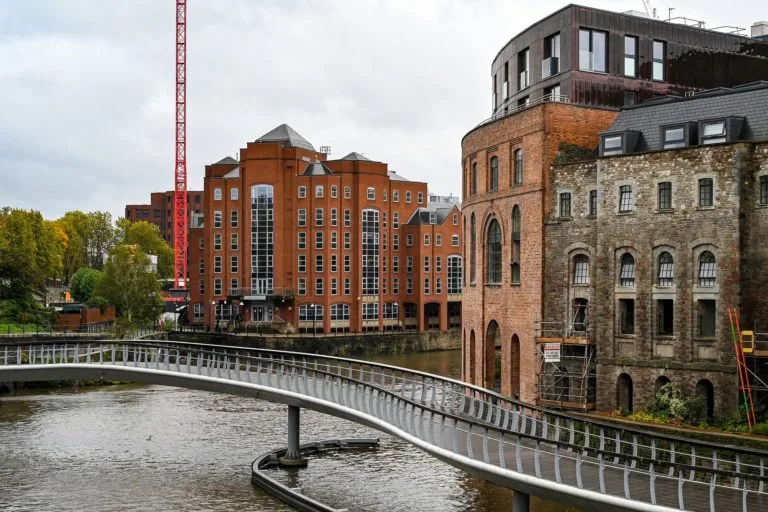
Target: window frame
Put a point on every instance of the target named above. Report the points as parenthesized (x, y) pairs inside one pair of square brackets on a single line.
[(630, 56), (592, 68), (493, 174), (625, 192), (564, 205), (660, 60)]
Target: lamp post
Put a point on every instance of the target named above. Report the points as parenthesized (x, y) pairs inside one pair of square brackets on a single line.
[(213, 314), (186, 307), (312, 308)]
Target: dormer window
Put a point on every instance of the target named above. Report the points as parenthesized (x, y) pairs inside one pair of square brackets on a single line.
[(713, 132), (717, 131), (612, 145), (622, 143), (432, 218)]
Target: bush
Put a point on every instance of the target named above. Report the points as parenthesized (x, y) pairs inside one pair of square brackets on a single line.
[(760, 429), (669, 403)]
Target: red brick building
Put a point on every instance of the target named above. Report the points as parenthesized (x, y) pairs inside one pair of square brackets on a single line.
[(159, 211), (316, 245)]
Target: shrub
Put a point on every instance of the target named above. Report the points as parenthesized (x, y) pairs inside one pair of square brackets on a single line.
[(669, 403)]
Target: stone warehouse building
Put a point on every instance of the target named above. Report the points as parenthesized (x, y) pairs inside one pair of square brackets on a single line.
[(555, 87), (316, 245), (648, 247)]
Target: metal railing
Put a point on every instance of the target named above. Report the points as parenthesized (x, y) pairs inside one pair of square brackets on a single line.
[(592, 460), (547, 98)]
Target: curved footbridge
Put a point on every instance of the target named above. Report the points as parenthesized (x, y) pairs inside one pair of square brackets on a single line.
[(534, 451)]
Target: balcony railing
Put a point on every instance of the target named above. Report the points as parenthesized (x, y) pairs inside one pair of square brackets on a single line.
[(274, 292), (547, 98)]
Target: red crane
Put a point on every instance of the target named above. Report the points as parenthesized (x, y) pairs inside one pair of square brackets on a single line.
[(180, 222)]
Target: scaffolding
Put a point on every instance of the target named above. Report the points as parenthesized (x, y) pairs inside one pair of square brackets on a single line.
[(566, 356), (754, 346)]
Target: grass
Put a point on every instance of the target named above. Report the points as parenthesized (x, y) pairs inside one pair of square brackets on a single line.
[(22, 328)]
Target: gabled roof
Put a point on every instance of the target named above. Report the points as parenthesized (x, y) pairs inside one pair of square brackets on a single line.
[(441, 211), (396, 177), (227, 160), (288, 136), (317, 169), (356, 156)]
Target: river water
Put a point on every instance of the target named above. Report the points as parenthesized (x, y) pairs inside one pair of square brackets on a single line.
[(138, 448)]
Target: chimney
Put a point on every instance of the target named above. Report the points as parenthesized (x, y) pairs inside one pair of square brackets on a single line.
[(760, 30)]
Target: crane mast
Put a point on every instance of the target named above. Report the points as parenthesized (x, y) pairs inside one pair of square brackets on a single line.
[(180, 210)]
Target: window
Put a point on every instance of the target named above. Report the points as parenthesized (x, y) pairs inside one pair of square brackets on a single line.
[(438, 264), (310, 312), (551, 64), (234, 284), (318, 240), (302, 286), (454, 240), (339, 311), (630, 56), (713, 132), (396, 242), (384, 194), (370, 252), (217, 219), (408, 196), (472, 252), (201, 244), (426, 240), (495, 98), (318, 217), (523, 65), (705, 192), (202, 287), (505, 84), (625, 198), (234, 194), (409, 286), (518, 166), (395, 286), (371, 193), (432, 218), (565, 205), (763, 190), (334, 240), (198, 311), (302, 192), (347, 193), (371, 311), (580, 269), (319, 286), (217, 264), (707, 318), (347, 286), (666, 269), (302, 244), (395, 263), (302, 216), (626, 316), (593, 203), (409, 240), (593, 51), (707, 269), (347, 218), (627, 273), (334, 191), (553, 93), (347, 240), (420, 197), (384, 219), (347, 263), (302, 267), (665, 195), (426, 286), (493, 249), (455, 219), (395, 220), (233, 265), (217, 241), (473, 180), (217, 286), (630, 98), (438, 285), (318, 263), (409, 264), (439, 240), (494, 177), (262, 239), (674, 137), (454, 274), (318, 191), (659, 60), (612, 145), (334, 263), (233, 219), (334, 217), (426, 264), (395, 196), (217, 194), (665, 317), (202, 266)]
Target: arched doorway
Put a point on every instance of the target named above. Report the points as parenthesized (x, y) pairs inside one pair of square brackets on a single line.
[(624, 392), (514, 370), (660, 383), (471, 364), (492, 357), (706, 390)]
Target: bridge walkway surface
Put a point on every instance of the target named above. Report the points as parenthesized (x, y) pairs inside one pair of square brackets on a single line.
[(587, 463)]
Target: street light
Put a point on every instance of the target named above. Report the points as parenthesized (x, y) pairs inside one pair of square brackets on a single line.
[(312, 308), (213, 313)]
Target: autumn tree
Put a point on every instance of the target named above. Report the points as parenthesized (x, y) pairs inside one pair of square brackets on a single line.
[(147, 236)]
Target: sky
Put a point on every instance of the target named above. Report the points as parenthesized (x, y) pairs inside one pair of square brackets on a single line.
[(87, 86)]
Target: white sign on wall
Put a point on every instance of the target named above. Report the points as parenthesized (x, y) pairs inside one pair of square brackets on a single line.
[(551, 352)]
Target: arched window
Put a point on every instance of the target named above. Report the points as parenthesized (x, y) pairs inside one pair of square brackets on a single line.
[(318, 191), (395, 196), (580, 269), (707, 269), (666, 269), (420, 198), (347, 192), (473, 250), (516, 229), (494, 177), (473, 180), (493, 253), (518, 166), (627, 274)]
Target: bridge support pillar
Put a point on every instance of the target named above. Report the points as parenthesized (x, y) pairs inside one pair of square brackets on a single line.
[(521, 502), (293, 454)]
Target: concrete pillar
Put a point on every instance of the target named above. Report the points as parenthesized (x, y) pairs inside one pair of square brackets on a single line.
[(293, 455), (521, 502)]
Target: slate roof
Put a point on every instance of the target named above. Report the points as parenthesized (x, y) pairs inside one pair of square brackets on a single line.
[(421, 215), (749, 101), (396, 177), (288, 136), (234, 173), (227, 160), (317, 169), (356, 156)]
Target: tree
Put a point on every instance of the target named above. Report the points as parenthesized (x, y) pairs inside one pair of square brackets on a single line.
[(74, 225), (83, 283), (101, 238), (147, 236), (130, 284)]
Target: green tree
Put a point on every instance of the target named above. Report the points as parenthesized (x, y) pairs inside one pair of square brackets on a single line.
[(101, 238), (130, 284), (74, 224), (147, 237), (83, 283)]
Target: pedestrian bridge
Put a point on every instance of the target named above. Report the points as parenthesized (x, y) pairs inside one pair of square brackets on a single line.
[(534, 451)]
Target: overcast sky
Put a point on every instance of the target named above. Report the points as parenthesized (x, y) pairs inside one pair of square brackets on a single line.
[(86, 86)]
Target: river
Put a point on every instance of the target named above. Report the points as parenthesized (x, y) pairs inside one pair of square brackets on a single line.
[(138, 448)]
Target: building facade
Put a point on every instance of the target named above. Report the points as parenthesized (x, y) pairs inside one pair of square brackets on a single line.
[(601, 58), (316, 245), (649, 246), (159, 211)]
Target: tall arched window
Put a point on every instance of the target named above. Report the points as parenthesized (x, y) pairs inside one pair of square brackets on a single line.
[(493, 253), (473, 250), (518, 166), (494, 176), (707, 269), (627, 274), (516, 229), (580, 269), (666, 269), (473, 180)]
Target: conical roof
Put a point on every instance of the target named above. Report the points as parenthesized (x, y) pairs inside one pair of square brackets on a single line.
[(288, 136), (355, 156), (227, 160)]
